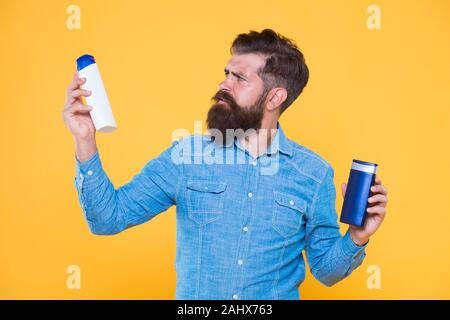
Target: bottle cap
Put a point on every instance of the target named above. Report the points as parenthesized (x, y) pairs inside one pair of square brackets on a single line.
[(84, 61), (364, 166)]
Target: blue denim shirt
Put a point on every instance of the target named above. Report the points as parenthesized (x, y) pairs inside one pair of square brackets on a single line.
[(242, 223)]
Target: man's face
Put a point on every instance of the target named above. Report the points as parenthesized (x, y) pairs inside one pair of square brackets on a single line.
[(240, 101)]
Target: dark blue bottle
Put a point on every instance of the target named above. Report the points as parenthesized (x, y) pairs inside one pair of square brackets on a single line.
[(361, 178)]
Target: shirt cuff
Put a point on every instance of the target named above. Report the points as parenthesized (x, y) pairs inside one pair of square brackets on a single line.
[(350, 248), (88, 171)]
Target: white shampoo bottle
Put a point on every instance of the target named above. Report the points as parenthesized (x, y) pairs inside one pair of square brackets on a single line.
[(101, 114)]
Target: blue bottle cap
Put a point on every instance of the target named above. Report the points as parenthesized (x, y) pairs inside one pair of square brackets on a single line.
[(365, 163), (84, 61), (364, 166)]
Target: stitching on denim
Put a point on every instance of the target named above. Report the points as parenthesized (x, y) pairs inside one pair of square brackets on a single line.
[(277, 275), (309, 153), (302, 172), (199, 261)]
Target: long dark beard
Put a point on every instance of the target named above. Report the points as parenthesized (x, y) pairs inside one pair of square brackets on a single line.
[(225, 114)]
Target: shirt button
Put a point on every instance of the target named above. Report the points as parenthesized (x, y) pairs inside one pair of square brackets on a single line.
[(206, 188), (254, 163), (240, 261), (250, 194), (245, 229), (89, 173), (291, 202), (235, 296)]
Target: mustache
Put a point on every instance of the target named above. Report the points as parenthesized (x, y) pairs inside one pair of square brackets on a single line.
[(224, 96)]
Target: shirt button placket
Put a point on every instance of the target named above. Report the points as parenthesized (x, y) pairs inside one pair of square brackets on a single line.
[(80, 180), (245, 228)]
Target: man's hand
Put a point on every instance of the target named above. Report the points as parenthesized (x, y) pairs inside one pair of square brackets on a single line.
[(76, 114), (376, 213), (78, 120)]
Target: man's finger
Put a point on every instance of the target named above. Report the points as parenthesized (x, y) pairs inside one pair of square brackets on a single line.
[(79, 108), (377, 209), (73, 85), (344, 188), (378, 198), (80, 93), (379, 188)]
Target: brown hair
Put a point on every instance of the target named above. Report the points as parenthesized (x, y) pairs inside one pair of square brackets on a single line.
[(285, 65)]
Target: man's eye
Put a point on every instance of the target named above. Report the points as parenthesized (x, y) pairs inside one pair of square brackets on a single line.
[(236, 76)]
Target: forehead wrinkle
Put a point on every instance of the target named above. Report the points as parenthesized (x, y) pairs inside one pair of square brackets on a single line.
[(243, 66)]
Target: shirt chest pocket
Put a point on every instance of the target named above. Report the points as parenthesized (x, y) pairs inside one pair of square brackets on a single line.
[(205, 200), (288, 213)]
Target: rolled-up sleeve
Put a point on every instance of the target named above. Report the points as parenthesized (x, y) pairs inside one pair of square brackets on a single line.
[(109, 210), (331, 257)]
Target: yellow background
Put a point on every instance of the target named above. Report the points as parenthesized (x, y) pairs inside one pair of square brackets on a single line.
[(377, 95)]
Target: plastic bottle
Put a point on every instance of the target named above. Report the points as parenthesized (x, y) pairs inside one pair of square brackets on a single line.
[(101, 114), (361, 178)]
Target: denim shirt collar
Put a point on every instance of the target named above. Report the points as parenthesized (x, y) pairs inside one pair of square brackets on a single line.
[(279, 143)]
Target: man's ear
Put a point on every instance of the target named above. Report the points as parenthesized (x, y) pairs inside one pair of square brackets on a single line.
[(276, 97)]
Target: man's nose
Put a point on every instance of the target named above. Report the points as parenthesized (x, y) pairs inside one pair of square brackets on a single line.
[(225, 85)]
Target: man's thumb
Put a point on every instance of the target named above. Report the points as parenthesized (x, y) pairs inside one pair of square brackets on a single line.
[(344, 188)]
